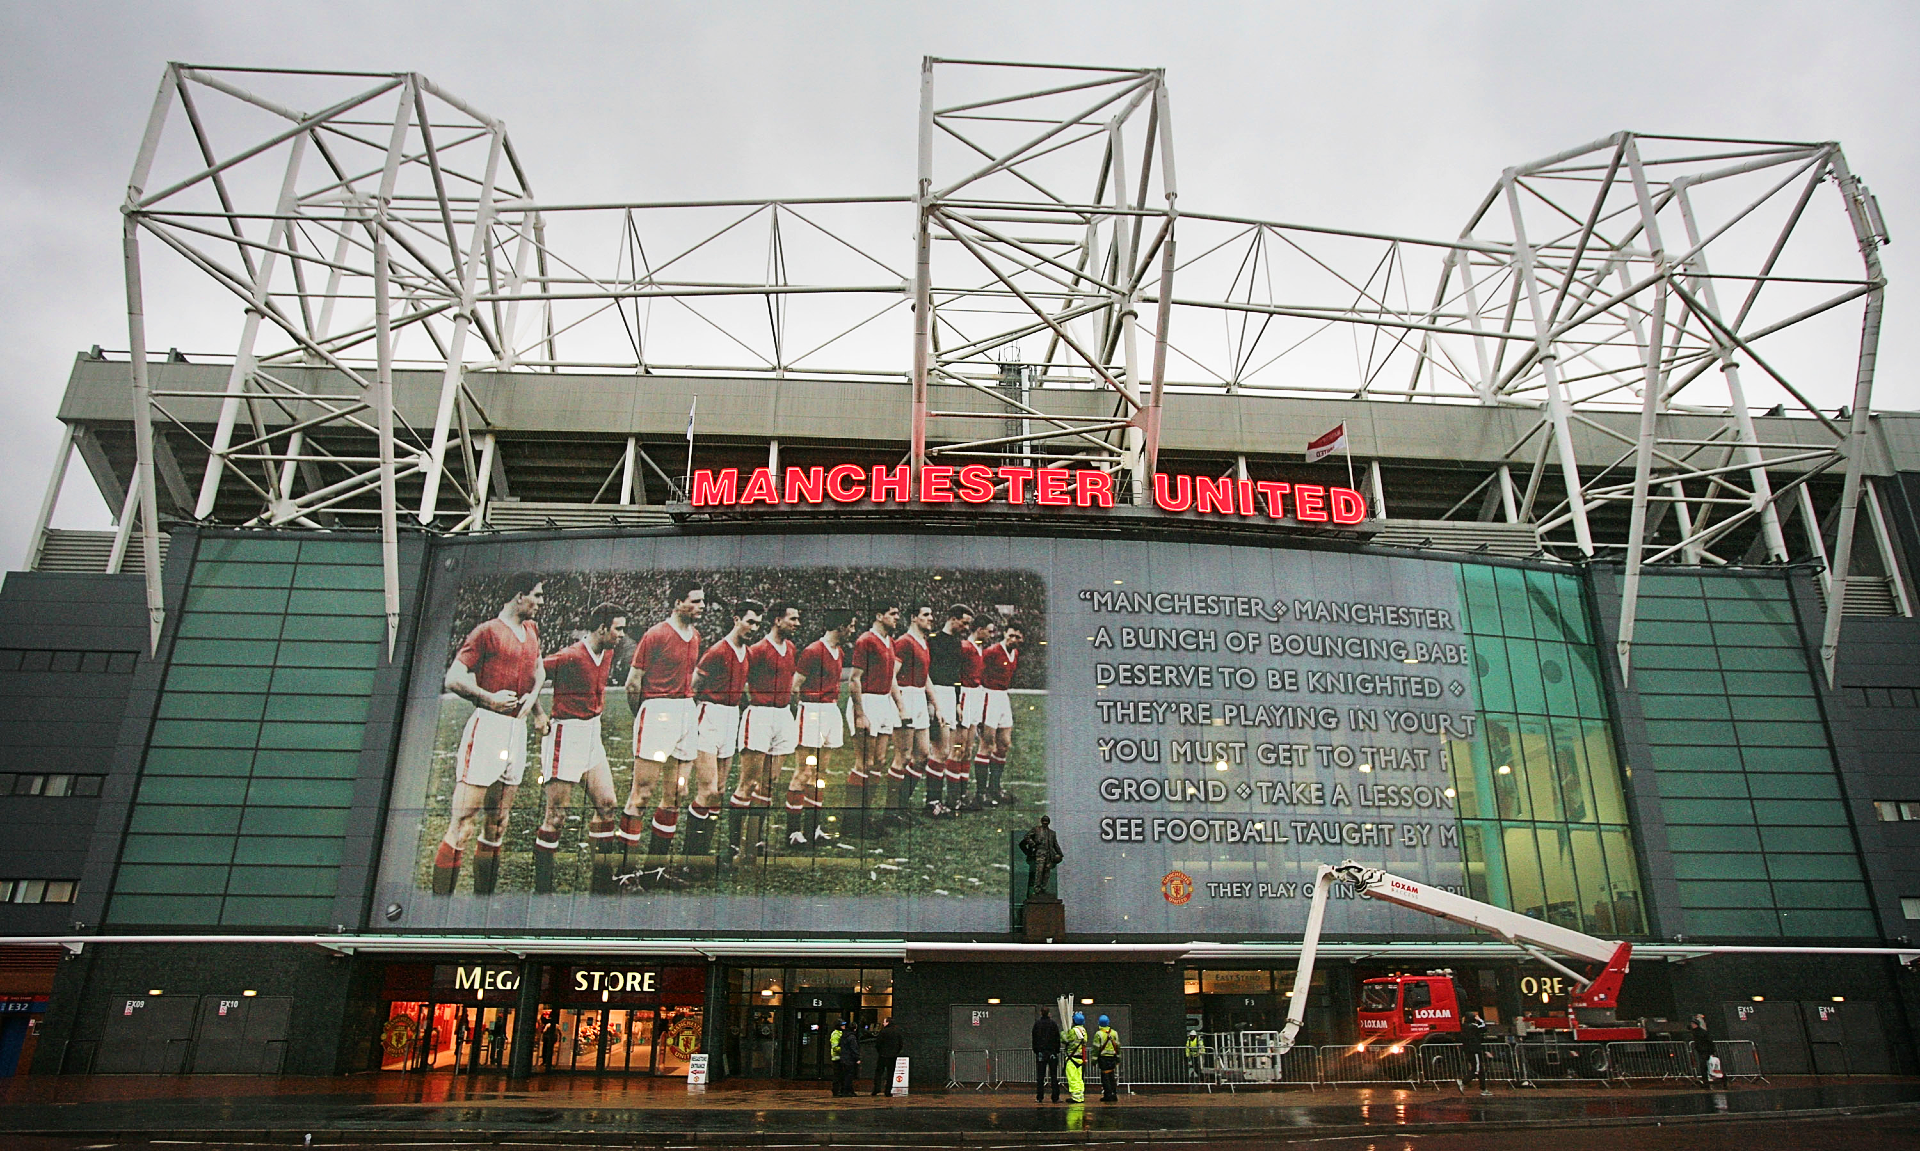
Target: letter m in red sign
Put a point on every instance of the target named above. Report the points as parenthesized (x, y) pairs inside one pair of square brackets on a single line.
[(710, 489)]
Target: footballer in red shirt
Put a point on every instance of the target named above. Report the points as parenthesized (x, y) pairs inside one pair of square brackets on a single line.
[(660, 690), (973, 710), (719, 688), (1001, 661), (769, 733), (572, 751), (816, 678), (873, 701), (912, 742), (498, 669)]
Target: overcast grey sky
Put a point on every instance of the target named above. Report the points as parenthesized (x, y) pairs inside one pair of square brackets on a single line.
[(1379, 115)]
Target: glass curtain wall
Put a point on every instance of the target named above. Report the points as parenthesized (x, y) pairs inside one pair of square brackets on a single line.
[(1543, 816)]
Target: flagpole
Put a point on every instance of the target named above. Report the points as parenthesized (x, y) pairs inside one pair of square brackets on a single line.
[(1346, 438), (686, 485)]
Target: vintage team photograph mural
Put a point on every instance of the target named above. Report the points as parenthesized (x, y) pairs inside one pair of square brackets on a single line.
[(852, 733), (752, 731)]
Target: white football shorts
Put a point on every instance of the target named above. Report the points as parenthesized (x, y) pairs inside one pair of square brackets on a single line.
[(913, 708), (493, 749), (973, 706), (820, 725), (719, 730), (882, 716), (570, 749), (945, 703), (771, 730), (999, 709), (664, 730)]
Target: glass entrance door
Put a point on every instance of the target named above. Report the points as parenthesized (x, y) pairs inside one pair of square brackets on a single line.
[(809, 1053), (603, 1039)]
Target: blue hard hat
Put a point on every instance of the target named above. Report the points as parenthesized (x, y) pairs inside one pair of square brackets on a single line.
[(1079, 1017), (1103, 1021)]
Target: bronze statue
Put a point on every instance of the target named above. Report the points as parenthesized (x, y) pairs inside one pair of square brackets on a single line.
[(1042, 849)]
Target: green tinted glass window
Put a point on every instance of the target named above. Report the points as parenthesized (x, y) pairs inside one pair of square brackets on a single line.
[(329, 708), (1836, 839), (157, 819), (306, 653), (321, 681), (164, 909), (1687, 865), (1516, 614), (171, 879), (1573, 610), (1653, 610), (336, 551), (312, 601), (218, 679), (214, 849), (1529, 692), (223, 626), (1665, 759), (311, 736), (1726, 893), (282, 881), (294, 821), (1803, 786), (1723, 811), (1843, 868), (267, 600), (1702, 785), (335, 578), (1732, 838), (1713, 707), (1754, 922), (277, 911), (295, 763), (335, 627), (185, 789), (300, 793), (1523, 871), (1843, 924), (268, 850), (204, 733), (1481, 598), (199, 761), (1495, 683), (211, 705), (1820, 895)]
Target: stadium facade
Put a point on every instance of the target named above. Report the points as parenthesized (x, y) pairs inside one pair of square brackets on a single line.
[(328, 763)]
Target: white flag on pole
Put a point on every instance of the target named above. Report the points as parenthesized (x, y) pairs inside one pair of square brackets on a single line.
[(691, 409), (1326, 445)]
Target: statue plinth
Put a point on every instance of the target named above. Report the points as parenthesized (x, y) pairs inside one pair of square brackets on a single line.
[(1043, 918)]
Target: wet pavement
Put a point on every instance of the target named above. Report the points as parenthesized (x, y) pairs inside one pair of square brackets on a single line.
[(447, 1109)]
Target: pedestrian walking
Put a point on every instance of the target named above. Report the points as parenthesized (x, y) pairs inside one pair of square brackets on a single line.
[(1196, 1053), (848, 1058), (886, 1049), (1046, 1056), (1703, 1052), (1106, 1050), (1073, 1045), (459, 1037), (1473, 1038)]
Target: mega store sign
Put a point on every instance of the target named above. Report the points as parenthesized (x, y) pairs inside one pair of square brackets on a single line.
[(1083, 488)]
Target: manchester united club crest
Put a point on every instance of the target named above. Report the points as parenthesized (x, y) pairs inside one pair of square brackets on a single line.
[(1177, 887)]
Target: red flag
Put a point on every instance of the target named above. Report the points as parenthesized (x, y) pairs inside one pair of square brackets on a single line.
[(1326, 445)]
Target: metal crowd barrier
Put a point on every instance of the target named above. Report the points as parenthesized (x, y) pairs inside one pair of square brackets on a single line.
[(1349, 1063), (1238, 1060), (979, 1069), (1653, 1059), (1449, 1062), (1740, 1059)]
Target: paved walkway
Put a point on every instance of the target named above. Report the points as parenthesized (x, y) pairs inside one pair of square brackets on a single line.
[(444, 1107)]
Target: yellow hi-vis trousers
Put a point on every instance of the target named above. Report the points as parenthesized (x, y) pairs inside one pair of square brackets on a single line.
[(1076, 1081)]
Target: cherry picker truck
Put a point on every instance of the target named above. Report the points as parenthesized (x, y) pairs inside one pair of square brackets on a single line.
[(1399, 1011)]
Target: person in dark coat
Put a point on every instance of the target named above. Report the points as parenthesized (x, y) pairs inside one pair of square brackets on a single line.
[(1473, 1039), (886, 1049), (847, 1066), (1702, 1047), (1046, 1056)]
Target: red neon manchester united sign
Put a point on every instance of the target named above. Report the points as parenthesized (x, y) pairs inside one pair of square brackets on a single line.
[(1048, 487)]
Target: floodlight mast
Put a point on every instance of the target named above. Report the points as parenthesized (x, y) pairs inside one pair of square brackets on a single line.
[(395, 229)]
